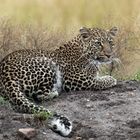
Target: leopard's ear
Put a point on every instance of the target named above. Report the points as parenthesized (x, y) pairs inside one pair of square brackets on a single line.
[(113, 31), (85, 33)]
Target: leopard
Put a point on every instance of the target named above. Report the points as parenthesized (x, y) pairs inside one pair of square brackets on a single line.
[(29, 76)]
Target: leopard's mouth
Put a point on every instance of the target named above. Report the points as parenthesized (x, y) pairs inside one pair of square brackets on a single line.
[(103, 59)]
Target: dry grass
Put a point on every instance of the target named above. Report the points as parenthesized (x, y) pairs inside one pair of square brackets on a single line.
[(14, 37), (37, 24), (66, 14)]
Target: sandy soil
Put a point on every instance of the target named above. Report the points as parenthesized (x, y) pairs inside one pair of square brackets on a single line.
[(112, 114)]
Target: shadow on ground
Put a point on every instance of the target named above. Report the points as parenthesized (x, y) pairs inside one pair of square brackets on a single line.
[(112, 114)]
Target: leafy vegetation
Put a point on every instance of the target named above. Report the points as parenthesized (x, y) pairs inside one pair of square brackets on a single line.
[(137, 76), (42, 116), (2, 101)]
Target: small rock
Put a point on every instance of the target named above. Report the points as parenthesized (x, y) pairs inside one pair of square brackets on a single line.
[(109, 115), (44, 133), (131, 94), (88, 100), (88, 105), (78, 138), (27, 132), (90, 118)]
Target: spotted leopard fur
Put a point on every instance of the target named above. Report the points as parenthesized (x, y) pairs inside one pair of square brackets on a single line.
[(40, 75)]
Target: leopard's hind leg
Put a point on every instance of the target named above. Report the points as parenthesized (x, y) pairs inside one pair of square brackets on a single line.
[(20, 103)]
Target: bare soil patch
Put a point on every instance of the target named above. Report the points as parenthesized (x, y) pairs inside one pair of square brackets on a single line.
[(112, 114)]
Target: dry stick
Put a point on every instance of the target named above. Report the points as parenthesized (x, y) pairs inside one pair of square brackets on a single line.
[(111, 68)]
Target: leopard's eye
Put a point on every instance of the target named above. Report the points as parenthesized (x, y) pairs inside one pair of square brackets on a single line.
[(97, 43), (85, 36), (111, 43)]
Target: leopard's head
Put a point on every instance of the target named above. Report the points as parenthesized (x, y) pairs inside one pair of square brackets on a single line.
[(98, 43)]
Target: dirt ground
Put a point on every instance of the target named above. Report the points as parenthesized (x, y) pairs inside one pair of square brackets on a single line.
[(112, 114)]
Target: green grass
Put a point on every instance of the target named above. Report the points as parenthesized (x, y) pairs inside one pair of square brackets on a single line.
[(42, 116), (137, 76), (2, 101)]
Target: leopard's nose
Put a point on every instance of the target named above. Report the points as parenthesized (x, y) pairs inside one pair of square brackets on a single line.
[(108, 55)]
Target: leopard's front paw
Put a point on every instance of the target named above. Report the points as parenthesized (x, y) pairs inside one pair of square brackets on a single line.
[(60, 125), (111, 81), (107, 82)]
